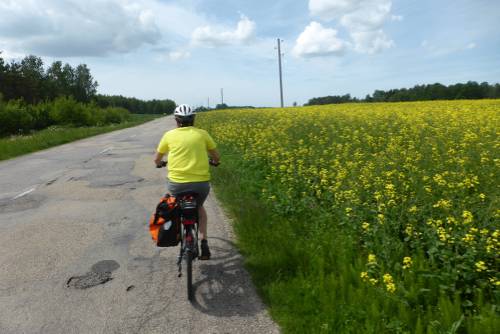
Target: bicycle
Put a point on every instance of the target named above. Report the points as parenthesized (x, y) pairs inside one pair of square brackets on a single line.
[(188, 215)]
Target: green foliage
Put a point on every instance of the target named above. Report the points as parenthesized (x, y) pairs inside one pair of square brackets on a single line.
[(336, 99), (14, 117), (41, 115), (17, 117), (136, 106), (115, 115), (468, 91), (28, 80), (67, 111)]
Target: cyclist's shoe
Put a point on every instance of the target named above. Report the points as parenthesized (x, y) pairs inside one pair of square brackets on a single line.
[(205, 251)]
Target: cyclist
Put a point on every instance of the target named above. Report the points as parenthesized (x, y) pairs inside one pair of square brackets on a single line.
[(188, 150)]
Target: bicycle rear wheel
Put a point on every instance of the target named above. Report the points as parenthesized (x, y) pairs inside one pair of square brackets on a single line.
[(189, 269)]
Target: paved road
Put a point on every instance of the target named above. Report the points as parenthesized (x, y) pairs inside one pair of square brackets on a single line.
[(75, 215)]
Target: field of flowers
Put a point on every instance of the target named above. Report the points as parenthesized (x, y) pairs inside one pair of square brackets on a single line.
[(379, 217)]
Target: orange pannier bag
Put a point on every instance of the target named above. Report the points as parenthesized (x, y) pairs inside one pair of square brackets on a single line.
[(164, 224)]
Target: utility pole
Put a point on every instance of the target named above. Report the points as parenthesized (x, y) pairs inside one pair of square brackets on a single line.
[(208, 102), (281, 79), (222, 95)]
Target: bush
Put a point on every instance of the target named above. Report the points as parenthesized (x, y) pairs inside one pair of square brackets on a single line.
[(41, 115), (17, 117), (14, 118), (66, 110), (115, 115)]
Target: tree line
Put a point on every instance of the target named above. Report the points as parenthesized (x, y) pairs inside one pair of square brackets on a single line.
[(460, 91), (28, 80), (33, 97), (136, 106)]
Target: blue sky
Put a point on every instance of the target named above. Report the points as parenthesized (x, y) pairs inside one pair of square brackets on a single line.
[(188, 50)]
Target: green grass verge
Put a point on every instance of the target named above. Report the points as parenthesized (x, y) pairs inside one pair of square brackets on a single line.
[(14, 146), (306, 269)]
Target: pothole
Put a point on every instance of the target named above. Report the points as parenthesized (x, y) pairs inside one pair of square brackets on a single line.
[(89, 280), (100, 273)]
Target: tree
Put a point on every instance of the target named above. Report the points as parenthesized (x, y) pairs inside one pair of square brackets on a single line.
[(32, 79), (221, 106), (84, 85)]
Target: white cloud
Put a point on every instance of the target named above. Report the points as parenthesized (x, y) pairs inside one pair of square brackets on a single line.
[(76, 28), (332, 9), (179, 55), (316, 40), (371, 41), (370, 15), (362, 19), (397, 18), (471, 46), (217, 36)]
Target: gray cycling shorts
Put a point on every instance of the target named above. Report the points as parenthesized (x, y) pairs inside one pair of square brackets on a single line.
[(201, 188)]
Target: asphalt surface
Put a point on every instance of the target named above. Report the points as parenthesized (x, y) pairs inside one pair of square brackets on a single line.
[(76, 255)]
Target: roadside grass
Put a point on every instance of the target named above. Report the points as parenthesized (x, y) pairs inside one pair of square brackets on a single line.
[(14, 146), (308, 273)]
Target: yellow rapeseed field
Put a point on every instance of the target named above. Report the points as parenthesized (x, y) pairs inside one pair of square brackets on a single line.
[(416, 184)]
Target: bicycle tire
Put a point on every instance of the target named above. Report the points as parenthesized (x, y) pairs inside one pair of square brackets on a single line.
[(189, 269)]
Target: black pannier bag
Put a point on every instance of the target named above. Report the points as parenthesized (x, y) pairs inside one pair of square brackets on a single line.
[(164, 224)]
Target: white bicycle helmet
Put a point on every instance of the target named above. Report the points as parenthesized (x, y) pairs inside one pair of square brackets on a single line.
[(184, 111)]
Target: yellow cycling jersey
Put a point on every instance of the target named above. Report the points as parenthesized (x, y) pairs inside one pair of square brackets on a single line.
[(187, 154)]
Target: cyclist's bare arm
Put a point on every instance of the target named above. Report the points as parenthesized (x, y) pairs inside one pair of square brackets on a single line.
[(214, 155), (158, 158)]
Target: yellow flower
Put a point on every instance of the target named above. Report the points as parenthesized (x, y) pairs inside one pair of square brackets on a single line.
[(373, 281), (443, 204), (468, 238), (389, 283), (407, 262), (372, 259), (467, 216), (494, 281), (391, 287), (481, 266), (365, 226), (451, 220), (413, 209), (387, 278), (409, 230), (348, 211), (364, 276)]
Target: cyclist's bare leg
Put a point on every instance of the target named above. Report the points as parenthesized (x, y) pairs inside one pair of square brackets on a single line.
[(202, 214)]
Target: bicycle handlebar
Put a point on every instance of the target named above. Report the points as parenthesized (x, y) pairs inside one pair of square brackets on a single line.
[(162, 164), (210, 161), (213, 163)]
